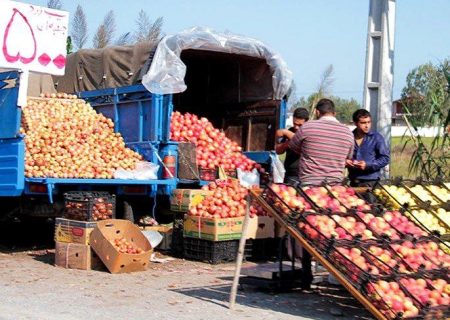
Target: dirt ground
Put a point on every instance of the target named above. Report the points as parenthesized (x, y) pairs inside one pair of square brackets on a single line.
[(32, 288)]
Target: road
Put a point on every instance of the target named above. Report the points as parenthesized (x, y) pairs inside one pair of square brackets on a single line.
[(33, 288)]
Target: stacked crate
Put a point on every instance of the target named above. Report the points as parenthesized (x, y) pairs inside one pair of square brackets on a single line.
[(72, 232)]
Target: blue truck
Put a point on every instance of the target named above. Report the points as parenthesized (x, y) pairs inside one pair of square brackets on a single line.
[(214, 90)]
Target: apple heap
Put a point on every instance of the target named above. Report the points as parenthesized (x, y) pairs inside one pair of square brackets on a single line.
[(356, 256), (320, 196), (428, 220), (124, 246), (442, 193), (423, 194), (290, 197), (66, 138), (447, 184), (398, 193), (389, 296), (379, 225), (226, 201), (213, 147), (353, 226), (444, 216), (383, 225), (347, 196), (436, 295), (388, 257), (427, 254)]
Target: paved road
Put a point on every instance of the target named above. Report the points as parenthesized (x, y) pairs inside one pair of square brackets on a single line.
[(32, 288)]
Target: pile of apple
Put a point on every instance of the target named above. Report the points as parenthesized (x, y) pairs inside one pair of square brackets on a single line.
[(213, 147), (347, 196), (435, 293), (335, 226), (442, 193), (66, 138), (387, 295), (423, 194), (290, 197), (427, 254), (389, 223), (226, 201), (395, 197), (321, 198), (444, 215), (124, 246), (428, 220), (388, 257), (356, 256)]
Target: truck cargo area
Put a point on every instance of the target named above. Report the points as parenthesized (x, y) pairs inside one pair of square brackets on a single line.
[(235, 93)]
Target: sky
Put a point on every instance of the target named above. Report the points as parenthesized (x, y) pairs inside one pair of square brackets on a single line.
[(309, 35)]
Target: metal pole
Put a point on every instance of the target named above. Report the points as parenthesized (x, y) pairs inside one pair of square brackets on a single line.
[(379, 75)]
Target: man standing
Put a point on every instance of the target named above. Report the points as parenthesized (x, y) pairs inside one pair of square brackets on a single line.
[(324, 146), (370, 155), (300, 116)]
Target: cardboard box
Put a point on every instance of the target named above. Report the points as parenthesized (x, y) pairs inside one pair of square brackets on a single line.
[(184, 199), (106, 232), (73, 231), (219, 229), (261, 227), (76, 256)]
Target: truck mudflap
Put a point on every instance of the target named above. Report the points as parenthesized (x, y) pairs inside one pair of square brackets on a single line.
[(12, 167)]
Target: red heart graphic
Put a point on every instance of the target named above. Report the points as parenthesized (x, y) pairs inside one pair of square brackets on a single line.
[(60, 61), (13, 58), (44, 59)]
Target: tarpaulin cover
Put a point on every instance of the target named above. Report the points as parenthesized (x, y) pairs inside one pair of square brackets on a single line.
[(167, 71), (110, 67)]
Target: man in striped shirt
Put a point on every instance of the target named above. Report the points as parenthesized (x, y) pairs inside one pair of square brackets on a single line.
[(324, 145)]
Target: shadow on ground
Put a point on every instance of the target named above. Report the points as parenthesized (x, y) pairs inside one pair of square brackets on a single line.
[(321, 303)]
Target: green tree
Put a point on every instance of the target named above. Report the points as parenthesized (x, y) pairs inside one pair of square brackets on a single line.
[(69, 46), (427, 102)]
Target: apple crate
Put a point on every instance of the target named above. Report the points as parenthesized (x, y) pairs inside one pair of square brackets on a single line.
[(383, 191), (369, 268), (423, 255), (308, 226), (415, 216), (439, 309), (421, 191), (380, 291), (207, 174), (89, 206)]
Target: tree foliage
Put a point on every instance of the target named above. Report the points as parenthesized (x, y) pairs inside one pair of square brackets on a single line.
[(105, 32), (69, 46), (425, 95), (147, 30), (79, 28), (54, 4), (426, 100)]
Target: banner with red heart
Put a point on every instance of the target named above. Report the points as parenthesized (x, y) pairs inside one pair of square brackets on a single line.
[(33, 38)]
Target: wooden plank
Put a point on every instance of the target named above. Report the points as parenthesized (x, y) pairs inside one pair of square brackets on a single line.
[(293, 232)]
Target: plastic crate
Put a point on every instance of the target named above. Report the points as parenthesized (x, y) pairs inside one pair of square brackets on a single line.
[(213, 252), (262, 249), (89, 206), (207, 174)]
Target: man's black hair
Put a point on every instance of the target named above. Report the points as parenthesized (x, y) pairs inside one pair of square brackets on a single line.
[(361, 113), (325, 106), (301, 113)]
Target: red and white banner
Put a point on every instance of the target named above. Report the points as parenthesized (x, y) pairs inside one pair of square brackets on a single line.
[(33, 38)]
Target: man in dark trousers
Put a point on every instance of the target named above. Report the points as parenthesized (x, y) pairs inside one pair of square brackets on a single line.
[(370, 155), (300, 116)]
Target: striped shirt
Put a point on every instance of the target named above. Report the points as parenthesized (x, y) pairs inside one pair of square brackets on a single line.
[(323, 146)]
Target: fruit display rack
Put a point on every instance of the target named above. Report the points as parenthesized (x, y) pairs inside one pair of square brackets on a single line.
[(368, 251)]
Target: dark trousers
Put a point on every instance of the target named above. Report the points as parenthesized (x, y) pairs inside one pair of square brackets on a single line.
[(307, 276)]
